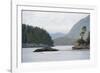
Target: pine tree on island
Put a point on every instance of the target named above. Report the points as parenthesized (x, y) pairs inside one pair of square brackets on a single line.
[(82, 43)]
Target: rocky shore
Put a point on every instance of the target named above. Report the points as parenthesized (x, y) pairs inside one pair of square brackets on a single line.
[(45, 49)]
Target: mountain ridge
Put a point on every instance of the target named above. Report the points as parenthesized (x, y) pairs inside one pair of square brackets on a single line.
[(74, 33)]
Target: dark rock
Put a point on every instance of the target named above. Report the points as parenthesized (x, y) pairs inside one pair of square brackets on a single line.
[(45, 49)]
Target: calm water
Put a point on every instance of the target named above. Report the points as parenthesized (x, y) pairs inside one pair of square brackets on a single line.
[(64, 53)]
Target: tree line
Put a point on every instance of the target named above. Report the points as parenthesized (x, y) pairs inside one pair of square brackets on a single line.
[(83, 43), (35, 35)]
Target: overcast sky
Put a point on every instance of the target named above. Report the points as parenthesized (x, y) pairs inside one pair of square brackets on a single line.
[(51, 21)]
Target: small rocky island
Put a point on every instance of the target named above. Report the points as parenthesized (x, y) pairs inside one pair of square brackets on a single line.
[(45, 49), (82, 43)]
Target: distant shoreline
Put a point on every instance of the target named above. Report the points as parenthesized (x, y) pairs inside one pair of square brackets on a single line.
[(62, 48)]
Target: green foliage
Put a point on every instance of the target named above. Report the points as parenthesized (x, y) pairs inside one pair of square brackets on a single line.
[(88, 39), (83, 31), (81, 41), (35, 35), (24, 35)]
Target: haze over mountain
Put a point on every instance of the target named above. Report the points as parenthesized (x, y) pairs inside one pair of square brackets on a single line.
[(74, 33), (57, 35)]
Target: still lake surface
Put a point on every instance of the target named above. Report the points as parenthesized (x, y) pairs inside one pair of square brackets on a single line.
[(65, 53)]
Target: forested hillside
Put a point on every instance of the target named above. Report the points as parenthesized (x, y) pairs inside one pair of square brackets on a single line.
[(35, 36)]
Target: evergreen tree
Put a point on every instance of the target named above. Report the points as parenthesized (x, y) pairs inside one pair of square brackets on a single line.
[(83, 31), (35, 35), (88, 39), (24, 38), (81, 41)]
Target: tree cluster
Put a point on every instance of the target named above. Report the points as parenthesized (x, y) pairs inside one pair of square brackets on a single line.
[(35, 35), (83, 43)]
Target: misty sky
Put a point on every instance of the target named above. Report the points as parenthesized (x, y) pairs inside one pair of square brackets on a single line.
[(51, 21)]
